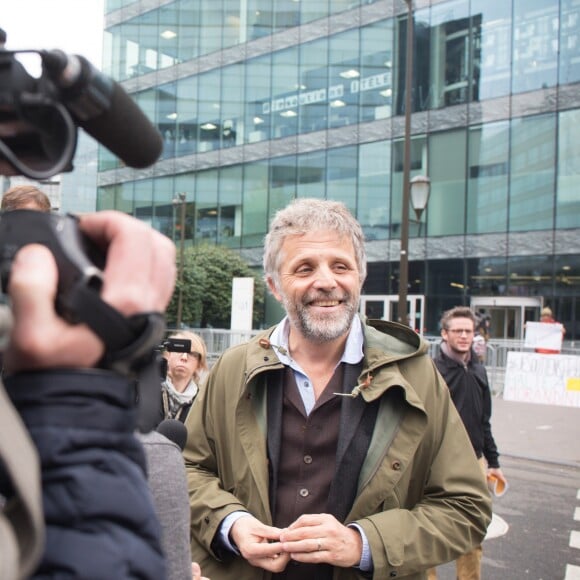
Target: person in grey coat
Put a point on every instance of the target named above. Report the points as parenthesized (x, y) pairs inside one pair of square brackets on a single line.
[(168, 484)]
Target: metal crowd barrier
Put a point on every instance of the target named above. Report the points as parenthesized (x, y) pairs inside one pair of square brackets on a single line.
[(217, 340)]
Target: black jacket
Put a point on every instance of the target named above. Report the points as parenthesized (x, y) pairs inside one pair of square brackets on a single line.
[(98, 509), (471, 394)]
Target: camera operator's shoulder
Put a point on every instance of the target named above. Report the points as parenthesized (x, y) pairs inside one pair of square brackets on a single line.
[(20, 558)]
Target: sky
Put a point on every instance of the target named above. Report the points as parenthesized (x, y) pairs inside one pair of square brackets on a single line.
[(74, 26)]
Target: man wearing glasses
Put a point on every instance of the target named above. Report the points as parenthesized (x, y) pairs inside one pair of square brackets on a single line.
[(467, 380)]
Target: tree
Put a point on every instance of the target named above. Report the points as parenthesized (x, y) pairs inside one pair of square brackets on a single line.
[(207, 287)]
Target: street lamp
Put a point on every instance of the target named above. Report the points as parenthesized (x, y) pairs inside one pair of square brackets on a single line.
[(418, 188), (180, 200)]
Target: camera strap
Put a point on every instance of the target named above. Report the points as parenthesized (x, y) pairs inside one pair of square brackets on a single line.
[(130, 346)]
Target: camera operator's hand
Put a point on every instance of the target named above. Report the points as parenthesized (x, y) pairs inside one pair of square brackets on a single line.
[(139, 277)]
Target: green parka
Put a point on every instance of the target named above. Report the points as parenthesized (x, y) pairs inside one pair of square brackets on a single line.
[(421, 500)]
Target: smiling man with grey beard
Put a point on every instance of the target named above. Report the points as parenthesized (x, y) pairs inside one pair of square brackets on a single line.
[(327, 447), (321, 326)]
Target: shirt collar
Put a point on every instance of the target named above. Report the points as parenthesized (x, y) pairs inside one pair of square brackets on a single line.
[(353, 350)]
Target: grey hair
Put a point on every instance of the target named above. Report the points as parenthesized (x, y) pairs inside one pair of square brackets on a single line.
[(304, 215)]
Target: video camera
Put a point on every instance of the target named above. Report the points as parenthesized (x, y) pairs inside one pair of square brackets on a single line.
[(176, 345), (38, 133), (39, 116), (172, 345)]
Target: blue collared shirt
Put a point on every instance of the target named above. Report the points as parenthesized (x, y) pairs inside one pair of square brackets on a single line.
[(353, 354)]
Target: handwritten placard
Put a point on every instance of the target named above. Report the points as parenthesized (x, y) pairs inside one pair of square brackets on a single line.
[(543, 335), (549, 379)]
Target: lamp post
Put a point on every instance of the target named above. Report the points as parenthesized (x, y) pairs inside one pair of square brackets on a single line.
[(180, 200), (419, 185), (404, 257)]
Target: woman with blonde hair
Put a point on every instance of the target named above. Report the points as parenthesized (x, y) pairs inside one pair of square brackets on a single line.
[(185, 371)]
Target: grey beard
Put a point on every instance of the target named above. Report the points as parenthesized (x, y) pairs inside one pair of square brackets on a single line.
[(321, 331)]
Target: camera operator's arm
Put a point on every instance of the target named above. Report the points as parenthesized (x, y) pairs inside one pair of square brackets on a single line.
[(98, 511)]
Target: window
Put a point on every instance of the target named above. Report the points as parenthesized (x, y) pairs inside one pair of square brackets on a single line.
[(312, 175), (447, 162), (530, 276), (376, 85), (492, 28), (568, 200), (535, 45), (258, 99), (186, 119), (211, 25), (313, 10), (344, 83), (313, 86), (569, 41), (532, 183), (487, 276), (488, 173), (167, 118), (443, 56), (163, 216), (141, 200), (206, 213), (230, 205), (283, 176), (255, 209), (209, 115), (232, 106), (285, 93), (342, 176), (374, 189)]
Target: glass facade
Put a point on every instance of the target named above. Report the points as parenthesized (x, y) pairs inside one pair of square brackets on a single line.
[(262, 101)]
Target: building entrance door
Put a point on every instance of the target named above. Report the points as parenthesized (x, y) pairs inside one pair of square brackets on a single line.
[(508, 315), (384, 307)]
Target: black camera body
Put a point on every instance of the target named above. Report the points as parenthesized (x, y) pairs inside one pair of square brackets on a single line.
[(79, 261), (176, 345), (172, 345)]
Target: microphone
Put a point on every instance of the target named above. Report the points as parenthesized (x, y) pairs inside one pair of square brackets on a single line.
[(174, 430), (103, 109)]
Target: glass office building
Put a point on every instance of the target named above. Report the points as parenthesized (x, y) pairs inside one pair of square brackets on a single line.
[(261, 101)]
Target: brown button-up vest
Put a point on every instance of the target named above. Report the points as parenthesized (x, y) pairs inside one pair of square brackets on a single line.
[(308, 453), (315, 461), (307, 463)]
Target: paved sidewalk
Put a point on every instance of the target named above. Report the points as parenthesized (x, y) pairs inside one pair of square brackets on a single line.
[(539, 432)]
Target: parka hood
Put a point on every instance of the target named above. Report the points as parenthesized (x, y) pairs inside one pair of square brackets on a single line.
[(388, 347), (397, 340)]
